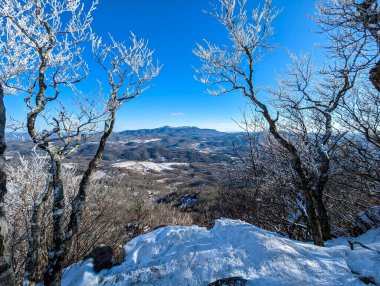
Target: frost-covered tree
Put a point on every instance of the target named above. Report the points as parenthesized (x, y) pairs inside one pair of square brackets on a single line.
[(6, 271), (301, 121), (15, 63), (353, 25), (54, 61), (54, 34)]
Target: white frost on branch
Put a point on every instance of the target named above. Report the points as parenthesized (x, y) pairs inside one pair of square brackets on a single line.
[(129, 68), (227, 67)]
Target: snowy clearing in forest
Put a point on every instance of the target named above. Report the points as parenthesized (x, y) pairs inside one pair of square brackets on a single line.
[(139, 141), (70, 165), (146, 166), (179, 255)]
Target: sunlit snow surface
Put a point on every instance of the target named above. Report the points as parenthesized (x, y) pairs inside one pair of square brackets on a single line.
[(147, 166), (194, 255)]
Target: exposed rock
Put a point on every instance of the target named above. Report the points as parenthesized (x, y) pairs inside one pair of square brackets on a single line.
[(103, 258)]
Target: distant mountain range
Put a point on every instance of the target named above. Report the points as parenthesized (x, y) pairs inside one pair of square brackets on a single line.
[(177, 144), (175, 131)]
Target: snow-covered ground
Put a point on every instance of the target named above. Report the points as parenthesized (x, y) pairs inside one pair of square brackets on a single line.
[(206, 150), (194, 255), (146, 166), (139, 141), (99, 175), (70, 165)]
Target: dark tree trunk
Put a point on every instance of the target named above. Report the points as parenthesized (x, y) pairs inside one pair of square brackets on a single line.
[(318, 192), (53, 273), (78, 204), (62, 239), (6, 269), (313, 219), (322, 215), (304, 180), (33, 256)]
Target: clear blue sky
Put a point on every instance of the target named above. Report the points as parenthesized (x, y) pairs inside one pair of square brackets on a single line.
[(172, 28)]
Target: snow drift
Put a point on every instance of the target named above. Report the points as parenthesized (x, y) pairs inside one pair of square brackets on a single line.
[(194, 255)]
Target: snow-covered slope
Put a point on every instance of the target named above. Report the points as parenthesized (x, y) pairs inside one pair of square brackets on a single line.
[(194, 255), (146, 166)]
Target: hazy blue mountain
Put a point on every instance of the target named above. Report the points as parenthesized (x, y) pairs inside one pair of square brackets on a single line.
[(175, 131)]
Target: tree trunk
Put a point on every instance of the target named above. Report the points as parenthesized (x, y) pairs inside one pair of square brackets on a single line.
[(53, 273), (313, 220), (62, 240), (6, 269), (296, 164), (319, 190), (78, 204), (32, 261), (323, 216)]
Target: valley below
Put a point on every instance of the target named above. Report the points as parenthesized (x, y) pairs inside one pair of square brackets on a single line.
[(180, 166)]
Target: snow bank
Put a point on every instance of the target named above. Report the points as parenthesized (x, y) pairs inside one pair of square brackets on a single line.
[(194, 255)]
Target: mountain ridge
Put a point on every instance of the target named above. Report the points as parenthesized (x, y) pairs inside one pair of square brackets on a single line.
[(171, 130), (166, 143)]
